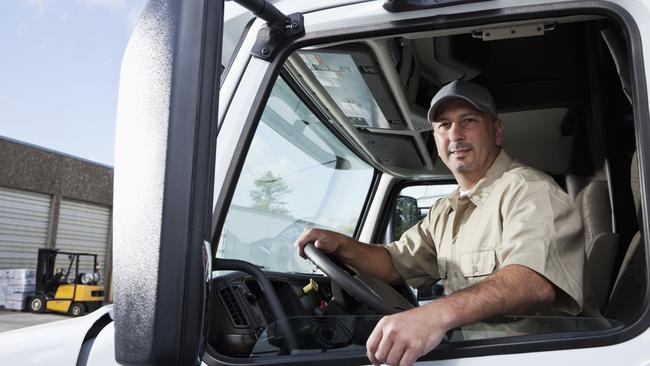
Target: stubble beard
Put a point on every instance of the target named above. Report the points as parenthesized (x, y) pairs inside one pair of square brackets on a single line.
[(463, 167), (460, 166)]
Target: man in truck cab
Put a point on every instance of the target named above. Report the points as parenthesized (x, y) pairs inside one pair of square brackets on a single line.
[(507, 241)]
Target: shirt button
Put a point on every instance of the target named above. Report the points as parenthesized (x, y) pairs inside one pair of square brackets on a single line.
[(475, 268)]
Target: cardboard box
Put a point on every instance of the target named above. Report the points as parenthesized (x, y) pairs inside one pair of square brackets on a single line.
[(4, 274), (18, 296), (17, 289), (22, 282), (3, 290), (15, 305), (22, 274)]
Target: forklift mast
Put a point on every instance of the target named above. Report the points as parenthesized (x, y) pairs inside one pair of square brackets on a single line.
[(44, 267)]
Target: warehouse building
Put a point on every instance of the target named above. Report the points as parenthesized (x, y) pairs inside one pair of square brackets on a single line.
[(52, 200)]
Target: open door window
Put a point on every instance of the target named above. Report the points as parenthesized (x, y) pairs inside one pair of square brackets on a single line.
[(367, 88)]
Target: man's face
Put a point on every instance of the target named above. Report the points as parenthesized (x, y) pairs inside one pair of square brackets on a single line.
[(467, 140)]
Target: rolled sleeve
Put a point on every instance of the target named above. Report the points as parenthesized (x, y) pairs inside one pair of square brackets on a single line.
[(542, 230)]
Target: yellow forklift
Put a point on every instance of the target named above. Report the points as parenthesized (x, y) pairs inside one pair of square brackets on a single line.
[(65, 291)]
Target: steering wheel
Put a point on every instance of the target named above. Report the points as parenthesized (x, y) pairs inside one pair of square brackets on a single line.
[(378, 295)]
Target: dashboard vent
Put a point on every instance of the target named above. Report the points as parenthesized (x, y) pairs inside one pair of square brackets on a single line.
[(236, 314)]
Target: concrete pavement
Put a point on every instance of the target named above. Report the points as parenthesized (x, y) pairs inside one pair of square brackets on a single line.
[(10, 320)]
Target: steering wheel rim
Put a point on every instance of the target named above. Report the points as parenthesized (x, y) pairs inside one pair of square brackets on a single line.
[(349, 283)]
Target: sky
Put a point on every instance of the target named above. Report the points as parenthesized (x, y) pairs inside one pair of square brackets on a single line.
[(59, 72)]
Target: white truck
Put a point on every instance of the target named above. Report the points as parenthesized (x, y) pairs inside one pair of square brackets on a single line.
[(315, 115)]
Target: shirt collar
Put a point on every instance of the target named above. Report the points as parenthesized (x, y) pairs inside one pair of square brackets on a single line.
[(481, 191)]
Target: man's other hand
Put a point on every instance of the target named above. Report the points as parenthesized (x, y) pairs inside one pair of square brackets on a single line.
[(399, 339)]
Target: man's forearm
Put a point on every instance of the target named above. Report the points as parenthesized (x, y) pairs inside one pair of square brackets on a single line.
[(513, 290), (367, 258), (403, 337), (370, 259)]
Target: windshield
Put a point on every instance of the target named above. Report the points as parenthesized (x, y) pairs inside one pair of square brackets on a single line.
[(297, 174)]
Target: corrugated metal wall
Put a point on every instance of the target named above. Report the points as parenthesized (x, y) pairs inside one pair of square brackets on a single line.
[(83, 227), (24, 218)]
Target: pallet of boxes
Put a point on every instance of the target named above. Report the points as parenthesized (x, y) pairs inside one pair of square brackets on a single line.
[(17, 285), (4, 282)]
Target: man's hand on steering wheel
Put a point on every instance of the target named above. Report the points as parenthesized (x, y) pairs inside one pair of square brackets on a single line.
[(364, 286), (324, 240), (392, 341)]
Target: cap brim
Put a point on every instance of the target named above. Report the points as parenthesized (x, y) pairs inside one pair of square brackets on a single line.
[(433, 110)]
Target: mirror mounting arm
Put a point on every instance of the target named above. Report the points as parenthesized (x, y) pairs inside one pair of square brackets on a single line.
[(279, 27)]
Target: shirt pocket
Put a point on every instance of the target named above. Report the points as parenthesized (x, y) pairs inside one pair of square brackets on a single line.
[(479, 263)]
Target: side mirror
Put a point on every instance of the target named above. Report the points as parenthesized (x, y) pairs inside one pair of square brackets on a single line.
[(406, 214)]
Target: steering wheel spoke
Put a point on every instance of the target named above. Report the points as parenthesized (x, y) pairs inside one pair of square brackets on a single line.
[(377, 295)]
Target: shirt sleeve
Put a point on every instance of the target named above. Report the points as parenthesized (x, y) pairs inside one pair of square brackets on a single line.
[(542, 230), (414, 254)]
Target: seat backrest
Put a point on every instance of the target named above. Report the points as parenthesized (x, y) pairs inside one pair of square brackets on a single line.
[(601, 243), (636, 194), (629, 288)]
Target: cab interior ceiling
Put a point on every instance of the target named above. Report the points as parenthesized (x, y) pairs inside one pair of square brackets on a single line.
[(544, 86)]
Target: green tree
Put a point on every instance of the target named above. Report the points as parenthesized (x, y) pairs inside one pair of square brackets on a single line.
[(268, 193)]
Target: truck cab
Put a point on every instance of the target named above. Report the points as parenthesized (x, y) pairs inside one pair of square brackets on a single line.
[(313, 114)]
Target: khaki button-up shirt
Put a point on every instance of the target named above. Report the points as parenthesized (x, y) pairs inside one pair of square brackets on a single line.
[(514, 215)]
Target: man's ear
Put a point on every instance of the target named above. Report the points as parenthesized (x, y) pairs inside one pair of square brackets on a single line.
[(498, 132)]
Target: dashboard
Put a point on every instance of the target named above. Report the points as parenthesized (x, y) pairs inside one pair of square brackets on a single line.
[(241, 315)]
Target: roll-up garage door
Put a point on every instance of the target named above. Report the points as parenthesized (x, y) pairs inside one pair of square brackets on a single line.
[(24, 218), (83, 228)]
